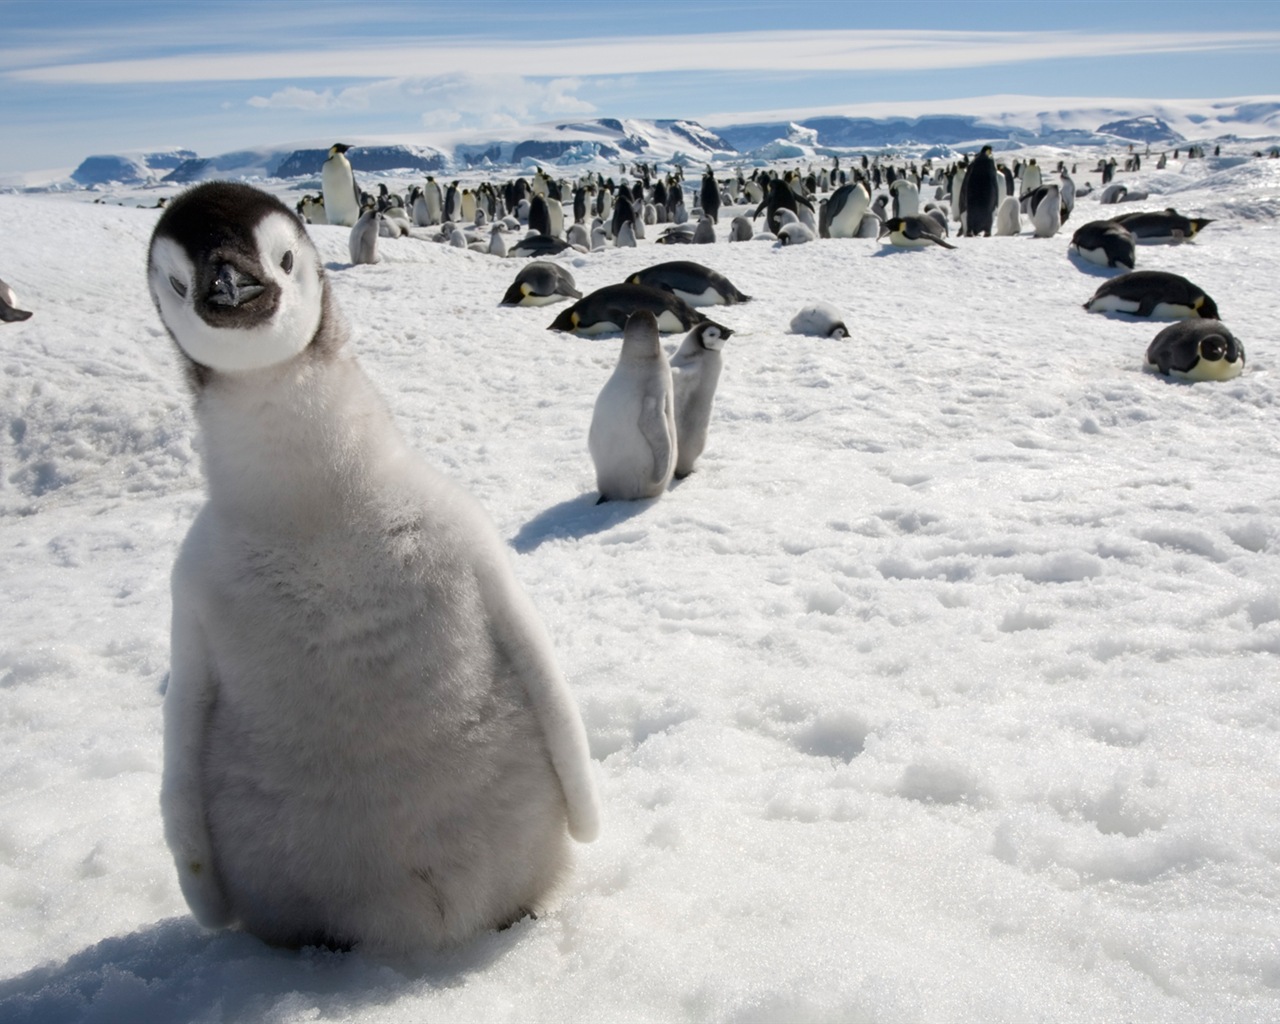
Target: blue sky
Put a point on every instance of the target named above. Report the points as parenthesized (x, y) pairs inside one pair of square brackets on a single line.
[(81, 77)]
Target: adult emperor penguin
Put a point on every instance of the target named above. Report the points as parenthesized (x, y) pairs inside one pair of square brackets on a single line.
[(845, 210), (367, 739), (906, 197), (696, 284), (1166, 227), (338, 184), (1105, 243), (980, 194), (1196, 350), (633, 428), (9, 311), (607, 310), (1046, 211), (914, 232), (695, 371), (540, 283), (1154, 293)]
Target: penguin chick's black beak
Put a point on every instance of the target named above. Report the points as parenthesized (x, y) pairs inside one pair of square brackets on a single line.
[(233, 287)]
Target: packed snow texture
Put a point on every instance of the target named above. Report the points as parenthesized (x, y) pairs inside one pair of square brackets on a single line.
[(946, 688)]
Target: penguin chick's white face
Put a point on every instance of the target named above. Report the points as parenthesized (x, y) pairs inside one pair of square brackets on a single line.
[(235, 278), (711, 337)]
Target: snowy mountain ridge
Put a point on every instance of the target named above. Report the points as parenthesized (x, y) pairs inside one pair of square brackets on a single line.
[(1005, 122)]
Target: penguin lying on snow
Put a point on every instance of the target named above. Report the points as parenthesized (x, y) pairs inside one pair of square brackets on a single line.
[(607, 309), (1105, 243), (1163, 227), (367, 740), (540, 283), (914, 232), (9, 311), (1196, 350), (820, 319), (696, 284), (1154, 293)]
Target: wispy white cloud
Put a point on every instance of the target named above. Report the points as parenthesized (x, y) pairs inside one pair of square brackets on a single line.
[(810, 51), (444, 101)]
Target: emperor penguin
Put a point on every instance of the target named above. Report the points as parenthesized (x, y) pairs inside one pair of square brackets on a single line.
[(633, 427), (915, 232), (434, 201), (367, 740), (338, 184), (695, 372), (9, 311), (821, 320), (1046, 214), (1196, 350), (1031, 177), (980, 192), (1105, 243), (363, 240), (1008, 219), (906, 197), (845, 210), (1156, 293)]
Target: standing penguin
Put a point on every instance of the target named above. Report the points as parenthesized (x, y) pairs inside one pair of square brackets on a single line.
[(633, 428), (1046, 211), (363, 240), (845, 209), (695, 371), (711, 197), (367, 740), (981, 191), (338, 184)]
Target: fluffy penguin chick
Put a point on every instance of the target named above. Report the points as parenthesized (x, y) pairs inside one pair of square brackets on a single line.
[(820, 319), (633, 428), (366, 737), (695, 371)]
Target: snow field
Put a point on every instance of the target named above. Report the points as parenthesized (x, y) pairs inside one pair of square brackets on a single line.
[(945, 688)]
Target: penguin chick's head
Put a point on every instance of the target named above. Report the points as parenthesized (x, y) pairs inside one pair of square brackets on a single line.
[(711, 335), (235, 278)]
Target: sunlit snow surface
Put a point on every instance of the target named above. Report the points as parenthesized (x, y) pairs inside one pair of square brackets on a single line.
[(946, 688)]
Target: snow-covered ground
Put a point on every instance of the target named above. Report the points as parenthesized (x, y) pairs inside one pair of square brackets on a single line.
[(947, 688)]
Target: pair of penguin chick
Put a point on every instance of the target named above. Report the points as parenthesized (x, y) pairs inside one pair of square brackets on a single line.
[(651, 417)]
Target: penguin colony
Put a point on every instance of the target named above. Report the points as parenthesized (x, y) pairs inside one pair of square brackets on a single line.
[(282, 826)]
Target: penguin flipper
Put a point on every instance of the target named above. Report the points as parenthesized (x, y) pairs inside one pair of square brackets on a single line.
[(942, 242), (522, 638), (190, 696), (12, 315), (653, 426)]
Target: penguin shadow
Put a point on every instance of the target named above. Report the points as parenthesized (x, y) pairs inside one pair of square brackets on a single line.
[(1093, 269), (578, 517), (178, 972), (886, 251)]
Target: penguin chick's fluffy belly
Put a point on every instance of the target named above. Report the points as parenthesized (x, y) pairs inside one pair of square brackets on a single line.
[(316, 619)]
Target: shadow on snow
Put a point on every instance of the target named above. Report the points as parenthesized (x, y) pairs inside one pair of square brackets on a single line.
[(577, 517), (176, 971)]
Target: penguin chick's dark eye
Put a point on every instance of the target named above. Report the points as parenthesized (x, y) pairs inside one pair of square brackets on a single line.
[(286, 262), (178, 286)]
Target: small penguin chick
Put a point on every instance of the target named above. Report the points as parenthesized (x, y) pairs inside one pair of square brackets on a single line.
[(820, 319), (367, 740)]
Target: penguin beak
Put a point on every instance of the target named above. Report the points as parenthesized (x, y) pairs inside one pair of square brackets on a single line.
[(233, 288)]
